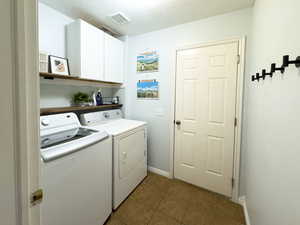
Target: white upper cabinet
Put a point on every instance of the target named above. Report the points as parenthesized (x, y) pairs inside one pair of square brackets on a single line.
[(85, 49), (92, 51), (94, 54), (114, 59)]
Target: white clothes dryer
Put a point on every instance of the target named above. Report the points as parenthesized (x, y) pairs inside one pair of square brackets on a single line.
[(129, 139)]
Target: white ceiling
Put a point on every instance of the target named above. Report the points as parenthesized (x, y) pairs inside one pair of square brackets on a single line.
[(145, 15)]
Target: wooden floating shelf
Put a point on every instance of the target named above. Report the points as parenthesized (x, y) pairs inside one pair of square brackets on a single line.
[(52, 76), (78, 109)]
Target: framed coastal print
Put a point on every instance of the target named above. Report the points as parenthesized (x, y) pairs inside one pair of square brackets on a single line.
[(147, 61), (58, 65), (147, 89)]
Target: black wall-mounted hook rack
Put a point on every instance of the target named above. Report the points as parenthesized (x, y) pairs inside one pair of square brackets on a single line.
[(286, 63)]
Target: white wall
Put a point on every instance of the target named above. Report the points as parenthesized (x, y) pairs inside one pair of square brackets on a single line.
[(52, 39), (272, 121), (7, 163), (52, 35), (53, 95), (158, 113)]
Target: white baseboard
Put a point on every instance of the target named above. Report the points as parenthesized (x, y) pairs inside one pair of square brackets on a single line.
[(243, 202), (159, 171)]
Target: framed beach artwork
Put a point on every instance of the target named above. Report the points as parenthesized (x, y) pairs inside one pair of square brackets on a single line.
[(147, 62), (147, 89)]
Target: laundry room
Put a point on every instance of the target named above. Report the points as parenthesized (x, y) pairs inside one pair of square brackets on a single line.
[(161, 112)]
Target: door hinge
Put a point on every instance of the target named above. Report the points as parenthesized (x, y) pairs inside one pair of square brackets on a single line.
[(238, 59), (37, 197), (235, 121), (232, 182)]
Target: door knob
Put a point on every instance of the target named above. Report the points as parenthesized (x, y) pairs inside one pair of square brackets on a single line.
[(178, 122)]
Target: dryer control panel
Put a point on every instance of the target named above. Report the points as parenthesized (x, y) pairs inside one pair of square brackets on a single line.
[(100, 117)]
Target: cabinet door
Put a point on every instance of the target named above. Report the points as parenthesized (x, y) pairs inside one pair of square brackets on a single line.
[(114, 59), (92, 51)]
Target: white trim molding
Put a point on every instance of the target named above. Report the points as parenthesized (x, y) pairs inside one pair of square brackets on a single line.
[(239, 116), (27, 109), (243, 202), (159, 171)]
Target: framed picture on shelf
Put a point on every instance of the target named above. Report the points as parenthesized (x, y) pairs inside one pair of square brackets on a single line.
[(58, 65)]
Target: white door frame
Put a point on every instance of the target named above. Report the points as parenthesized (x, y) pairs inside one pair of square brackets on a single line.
[(27, 110), (238, 111)]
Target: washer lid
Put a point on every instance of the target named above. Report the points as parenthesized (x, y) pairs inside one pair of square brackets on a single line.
[(65, 137), (116, 127), (57, 150)]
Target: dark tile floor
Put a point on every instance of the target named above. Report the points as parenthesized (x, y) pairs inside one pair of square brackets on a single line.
[(161, 201)]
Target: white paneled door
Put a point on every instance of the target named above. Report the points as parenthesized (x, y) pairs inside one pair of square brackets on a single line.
[(205, 115)]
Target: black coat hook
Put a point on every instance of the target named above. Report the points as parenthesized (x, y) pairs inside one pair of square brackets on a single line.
[(287, 62), (255, 77), (274, 68), (264, 74)]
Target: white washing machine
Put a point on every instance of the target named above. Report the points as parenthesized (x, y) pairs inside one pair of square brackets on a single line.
[(129, 149), (75, 172)]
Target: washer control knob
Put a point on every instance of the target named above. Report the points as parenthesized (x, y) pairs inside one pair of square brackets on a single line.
[(45, 141), (45, 122), (106, 115)]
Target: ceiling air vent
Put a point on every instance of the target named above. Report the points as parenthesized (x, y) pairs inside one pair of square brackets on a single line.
[(120, 18)]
